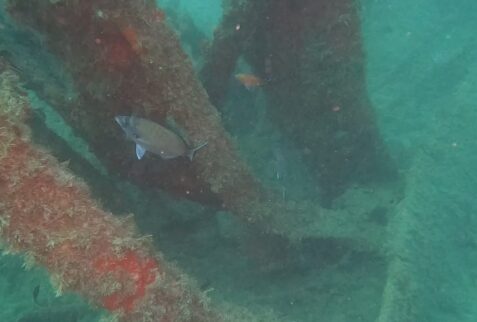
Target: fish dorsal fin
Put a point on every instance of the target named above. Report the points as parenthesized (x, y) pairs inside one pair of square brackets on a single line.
[(140, 151)]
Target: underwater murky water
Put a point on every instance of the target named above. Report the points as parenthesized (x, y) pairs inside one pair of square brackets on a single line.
[(284, 160)]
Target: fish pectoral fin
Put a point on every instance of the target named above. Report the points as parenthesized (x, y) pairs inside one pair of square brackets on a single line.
[(140, 151)]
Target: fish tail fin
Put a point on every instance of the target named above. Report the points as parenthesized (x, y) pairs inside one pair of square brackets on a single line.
[(192, 151)]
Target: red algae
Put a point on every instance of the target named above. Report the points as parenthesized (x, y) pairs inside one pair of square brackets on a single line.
[(141, 271), (130, 34)]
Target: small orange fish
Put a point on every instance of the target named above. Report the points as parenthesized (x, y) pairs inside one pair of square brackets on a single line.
[(249, 81)]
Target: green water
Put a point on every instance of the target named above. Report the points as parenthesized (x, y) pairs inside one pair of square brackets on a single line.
[(421, 76)]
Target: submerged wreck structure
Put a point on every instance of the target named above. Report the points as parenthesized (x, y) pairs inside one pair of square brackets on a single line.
[(124, 59), (310, 56)]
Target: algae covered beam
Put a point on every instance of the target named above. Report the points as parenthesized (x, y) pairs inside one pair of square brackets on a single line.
[(125, 60), (48, 214), (313, 54), (310, 54)]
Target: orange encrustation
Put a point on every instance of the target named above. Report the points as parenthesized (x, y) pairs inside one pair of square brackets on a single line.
[(142, 271), (131, 36)]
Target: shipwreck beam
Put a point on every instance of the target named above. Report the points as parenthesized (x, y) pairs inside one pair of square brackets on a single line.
[(48, 214)]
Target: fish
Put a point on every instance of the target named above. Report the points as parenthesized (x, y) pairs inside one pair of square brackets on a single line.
[(155, 138), (58, 311), (36, 291), (249, 80)]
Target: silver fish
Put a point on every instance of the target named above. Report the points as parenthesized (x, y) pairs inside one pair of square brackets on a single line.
[(155, 138)]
